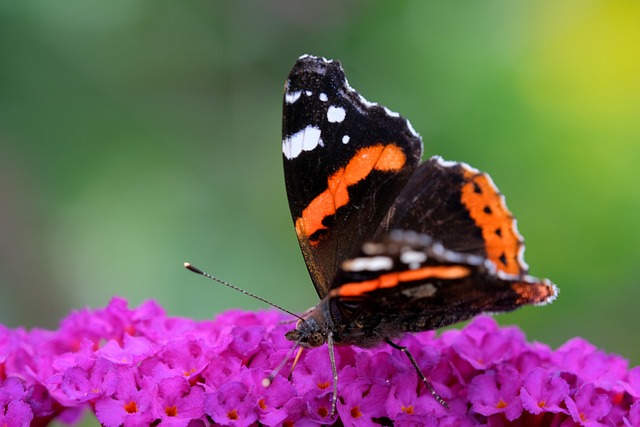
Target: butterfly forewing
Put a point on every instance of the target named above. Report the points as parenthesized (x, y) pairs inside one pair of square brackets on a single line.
[(345, 161)]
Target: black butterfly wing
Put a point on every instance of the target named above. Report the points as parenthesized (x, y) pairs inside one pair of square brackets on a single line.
[(407, 282), (460, 207), (345, 161)]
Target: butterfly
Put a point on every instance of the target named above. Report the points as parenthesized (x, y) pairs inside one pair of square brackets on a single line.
[(392, 244)]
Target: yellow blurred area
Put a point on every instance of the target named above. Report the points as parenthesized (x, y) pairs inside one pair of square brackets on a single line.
[(584, 62)]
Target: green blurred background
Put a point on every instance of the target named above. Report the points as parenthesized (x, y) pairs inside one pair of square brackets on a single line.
[(135, 135)]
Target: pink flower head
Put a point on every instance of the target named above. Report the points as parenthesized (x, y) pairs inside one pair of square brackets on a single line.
[(138, 366)]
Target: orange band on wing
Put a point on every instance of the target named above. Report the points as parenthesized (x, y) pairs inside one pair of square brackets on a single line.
[(391, 280), (385, 158), (487, 208)]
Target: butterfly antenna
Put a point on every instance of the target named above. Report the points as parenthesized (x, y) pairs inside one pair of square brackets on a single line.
[(207, 275)]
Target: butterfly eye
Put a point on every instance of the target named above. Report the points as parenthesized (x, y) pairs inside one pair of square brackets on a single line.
[(316, 339)]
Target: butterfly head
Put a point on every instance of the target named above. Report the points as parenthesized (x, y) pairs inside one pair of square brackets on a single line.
[(309, 333)]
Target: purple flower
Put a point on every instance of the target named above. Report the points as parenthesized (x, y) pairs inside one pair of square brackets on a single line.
[(482, 345), (632, 384), (130, 404), (232, 404), (544, 392), (594, 365), (272, 398), (137, 366), (14, 410), (16, 414), (589, 405), (12, 389), (314, 381), (313, 372), (81, 384), (532, 356), (181, 357), (497, 392), (363, 401), (220, 370), (177, 402), (633, 419), (128, 352)]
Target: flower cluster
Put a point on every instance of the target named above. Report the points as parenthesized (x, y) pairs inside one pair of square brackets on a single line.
[(139, 367)]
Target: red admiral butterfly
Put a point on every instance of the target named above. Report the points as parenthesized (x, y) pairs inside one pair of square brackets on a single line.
[(392, 245)]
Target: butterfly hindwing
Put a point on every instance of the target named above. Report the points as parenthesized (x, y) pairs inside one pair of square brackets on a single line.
[(461, 208), (407, 282)]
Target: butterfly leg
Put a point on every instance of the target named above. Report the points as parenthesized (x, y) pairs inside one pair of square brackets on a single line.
[(405, 350), (334, 370)]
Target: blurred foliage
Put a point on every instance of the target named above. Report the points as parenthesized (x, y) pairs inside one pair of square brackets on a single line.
[(135, 135)]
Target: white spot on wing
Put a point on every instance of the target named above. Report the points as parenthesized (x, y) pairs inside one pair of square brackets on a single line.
[(375, 263), (413, 259), (474, 170), (412, 130), (345, 139), (323, 97), (445, 163), (292, 97), (556, 291), (336, 114), (520, 256), (364, 101), (320, 58), (390, 113), (305, 140), (308, 92), (438, 249)]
